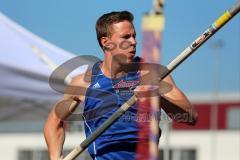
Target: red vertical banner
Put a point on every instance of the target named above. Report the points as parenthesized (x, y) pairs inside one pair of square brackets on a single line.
[(149, 105)]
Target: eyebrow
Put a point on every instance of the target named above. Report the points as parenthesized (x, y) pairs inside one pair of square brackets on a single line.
[(127, 34)]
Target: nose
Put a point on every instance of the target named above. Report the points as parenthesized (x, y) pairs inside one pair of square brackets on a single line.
[(133, 41)]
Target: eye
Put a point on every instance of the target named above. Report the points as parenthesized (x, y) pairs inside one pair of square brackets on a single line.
[(127, 36)]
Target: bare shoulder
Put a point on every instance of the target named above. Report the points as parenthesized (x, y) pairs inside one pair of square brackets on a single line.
[(80, 80), (175, 92), (78, 86), (169, 80)]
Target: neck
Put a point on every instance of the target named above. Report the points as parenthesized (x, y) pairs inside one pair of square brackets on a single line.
[(110, 68)]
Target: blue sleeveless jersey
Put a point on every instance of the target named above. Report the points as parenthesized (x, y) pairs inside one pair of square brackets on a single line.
[(103, 97)]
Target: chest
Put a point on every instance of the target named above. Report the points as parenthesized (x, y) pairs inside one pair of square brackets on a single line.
[(104, 90)]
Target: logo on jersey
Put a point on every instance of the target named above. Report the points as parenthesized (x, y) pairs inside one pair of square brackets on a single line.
[(97, 85), (126, 84)]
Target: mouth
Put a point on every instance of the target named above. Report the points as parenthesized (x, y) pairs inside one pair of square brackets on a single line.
[(132, 52)]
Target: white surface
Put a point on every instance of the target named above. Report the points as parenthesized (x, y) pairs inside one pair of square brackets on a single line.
[(23, 73)]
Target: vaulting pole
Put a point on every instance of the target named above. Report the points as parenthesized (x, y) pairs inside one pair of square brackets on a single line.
[(219, 23)]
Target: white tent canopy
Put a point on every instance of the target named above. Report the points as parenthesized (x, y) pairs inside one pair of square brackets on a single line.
[(24, 72)]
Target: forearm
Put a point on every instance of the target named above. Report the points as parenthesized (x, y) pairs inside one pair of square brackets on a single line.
[(54, 134), (176, 104), (179, 111)]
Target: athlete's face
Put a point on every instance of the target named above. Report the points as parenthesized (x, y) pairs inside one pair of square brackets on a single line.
[(124, 43)]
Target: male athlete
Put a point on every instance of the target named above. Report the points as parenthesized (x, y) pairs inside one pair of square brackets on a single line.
[(109, 86)]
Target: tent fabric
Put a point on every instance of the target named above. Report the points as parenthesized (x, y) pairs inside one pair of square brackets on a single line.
[(25, 94), (23, 73)]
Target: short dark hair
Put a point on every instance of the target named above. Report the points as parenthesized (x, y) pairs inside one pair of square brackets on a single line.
[(104, 22)]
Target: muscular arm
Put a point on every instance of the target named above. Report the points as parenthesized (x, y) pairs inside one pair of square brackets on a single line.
[(54, 135), (54, 131), (177, 106)]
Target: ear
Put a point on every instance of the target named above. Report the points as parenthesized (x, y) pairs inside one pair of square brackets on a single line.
[(104, 42)]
